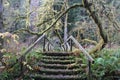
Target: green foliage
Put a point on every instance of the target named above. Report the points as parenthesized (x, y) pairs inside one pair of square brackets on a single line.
[(4, 75), (33, 57), (116, 53), (9, 59), (10, 74), (106, 63)]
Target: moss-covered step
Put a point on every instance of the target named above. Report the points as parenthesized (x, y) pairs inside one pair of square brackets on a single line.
[(55, 77), (56, 54), (58, 57), (47, 61), (59, 71), (60, 66)]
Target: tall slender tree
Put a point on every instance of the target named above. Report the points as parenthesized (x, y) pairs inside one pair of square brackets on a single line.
[(66, 22), (1, 22), (1, 16)]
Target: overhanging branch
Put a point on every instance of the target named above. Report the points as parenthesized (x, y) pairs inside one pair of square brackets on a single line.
[(52, 25)]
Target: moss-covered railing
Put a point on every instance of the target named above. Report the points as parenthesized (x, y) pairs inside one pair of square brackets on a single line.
[(21, 59), (88, 57)]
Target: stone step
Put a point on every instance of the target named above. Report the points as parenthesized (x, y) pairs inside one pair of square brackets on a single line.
[(55, 77), (58, 57), (47, 61), (83, 66), (2, 68), (59, 71), (60, 66), (57, 54)]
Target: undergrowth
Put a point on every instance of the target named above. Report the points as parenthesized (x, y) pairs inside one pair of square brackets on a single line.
[(107, 62)]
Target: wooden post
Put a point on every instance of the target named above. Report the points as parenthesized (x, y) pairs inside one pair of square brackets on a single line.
[(21, 65), (44, 43), (89, 71), (48, 46), (70, 44)]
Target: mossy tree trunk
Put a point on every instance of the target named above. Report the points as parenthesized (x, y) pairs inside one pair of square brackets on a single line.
[(96, 19)]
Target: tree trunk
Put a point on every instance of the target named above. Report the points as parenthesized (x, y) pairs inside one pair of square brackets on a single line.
[(66, 22), (65, 25), (1, 23), (1, 16), (1, 27), (96, 19)]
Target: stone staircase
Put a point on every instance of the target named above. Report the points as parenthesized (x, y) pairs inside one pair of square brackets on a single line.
[(58, 66)]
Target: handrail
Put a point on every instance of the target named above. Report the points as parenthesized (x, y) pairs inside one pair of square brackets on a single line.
[(80, 47), (49, 42), (29, 49), (33, 45), (90, 59), (22, 58)]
